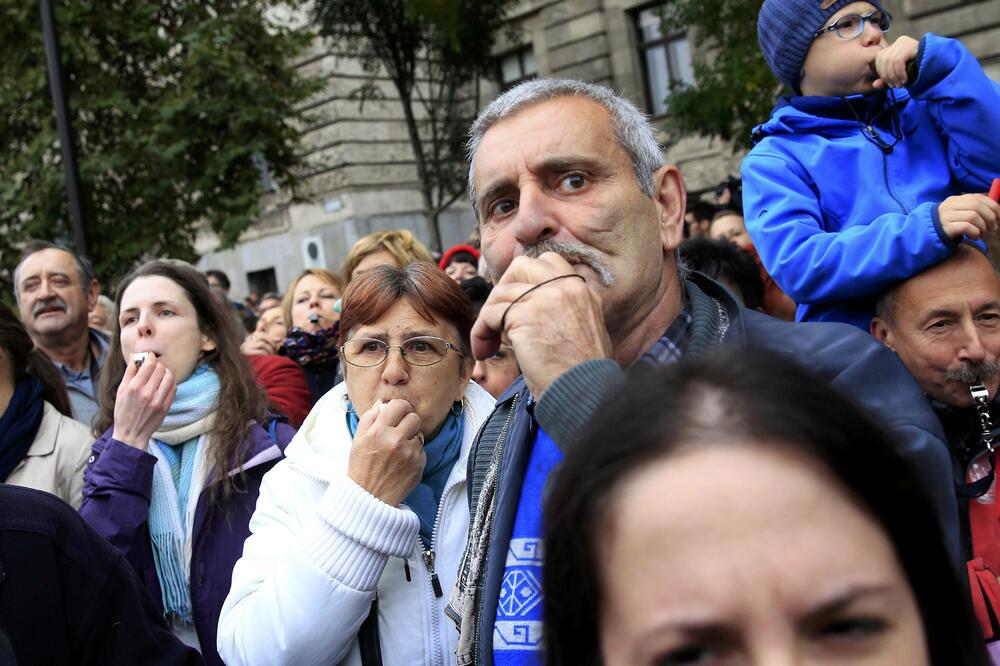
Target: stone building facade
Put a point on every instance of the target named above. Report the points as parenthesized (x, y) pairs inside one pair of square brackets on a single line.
[(361, 176)]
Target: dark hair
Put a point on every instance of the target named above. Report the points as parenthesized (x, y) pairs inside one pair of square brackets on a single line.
[(724, 261), (735, 187), (732, 398), (462, 257), (84, 268), (478, 289), (29, 362), (701, 210), (220, 276), (434, 295), (241, 400)]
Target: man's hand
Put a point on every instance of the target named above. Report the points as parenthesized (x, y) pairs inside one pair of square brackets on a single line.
[(890, 64), (552, 329), (254, 346), (969, 215), (387, 455), (142, 402)]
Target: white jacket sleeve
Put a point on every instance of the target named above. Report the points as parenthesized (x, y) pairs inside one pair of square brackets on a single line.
[(305, 582)]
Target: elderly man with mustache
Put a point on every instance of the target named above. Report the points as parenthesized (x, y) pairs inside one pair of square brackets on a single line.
[(55, 291), (580, 220), (944, 324)]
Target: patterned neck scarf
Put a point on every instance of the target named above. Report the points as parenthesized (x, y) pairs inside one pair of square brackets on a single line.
[(307, 348)]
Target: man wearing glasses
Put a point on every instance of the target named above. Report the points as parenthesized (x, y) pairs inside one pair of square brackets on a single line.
[(873, 168)]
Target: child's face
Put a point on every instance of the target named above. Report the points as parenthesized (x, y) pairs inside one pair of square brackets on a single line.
[(836, 66)]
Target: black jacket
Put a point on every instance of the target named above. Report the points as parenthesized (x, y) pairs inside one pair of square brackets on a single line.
[(68, 597), (853, 362)]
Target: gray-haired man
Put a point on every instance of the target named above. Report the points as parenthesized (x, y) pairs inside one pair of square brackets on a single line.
[(55, 291), (568, 182)]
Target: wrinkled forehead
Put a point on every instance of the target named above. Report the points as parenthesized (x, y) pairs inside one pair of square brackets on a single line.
[(567, 125), (964, 282), (48, 261)]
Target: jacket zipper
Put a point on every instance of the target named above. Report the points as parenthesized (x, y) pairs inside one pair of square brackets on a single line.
[(428, 557), (885, 177), (497, 456)]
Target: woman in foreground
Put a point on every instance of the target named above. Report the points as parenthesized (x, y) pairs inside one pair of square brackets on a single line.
[(185, 439), (746, 514)]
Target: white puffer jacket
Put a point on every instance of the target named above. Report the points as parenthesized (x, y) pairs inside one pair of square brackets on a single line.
[(321, 546)]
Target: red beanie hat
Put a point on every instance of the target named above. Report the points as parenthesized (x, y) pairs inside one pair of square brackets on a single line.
[(455, 250)]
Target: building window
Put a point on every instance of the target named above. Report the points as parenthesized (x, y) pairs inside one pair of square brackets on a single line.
[(665, 58), (517, 66), (261, 282)]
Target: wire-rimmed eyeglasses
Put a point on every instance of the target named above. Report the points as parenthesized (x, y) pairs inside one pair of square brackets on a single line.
[(852, 26), (420, 350)]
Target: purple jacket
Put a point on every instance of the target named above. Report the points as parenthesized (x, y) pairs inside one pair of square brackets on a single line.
[(117, 485)]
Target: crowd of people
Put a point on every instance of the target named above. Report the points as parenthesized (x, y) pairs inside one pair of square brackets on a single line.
[(616, 427)]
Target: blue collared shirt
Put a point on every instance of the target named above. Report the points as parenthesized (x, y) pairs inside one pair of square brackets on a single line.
[(82, 384)]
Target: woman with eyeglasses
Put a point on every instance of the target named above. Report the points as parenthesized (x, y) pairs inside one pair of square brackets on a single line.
[(878, 162), (357, 536)]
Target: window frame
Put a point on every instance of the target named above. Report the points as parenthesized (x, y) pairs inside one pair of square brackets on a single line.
[(520, 52), (643, 46)]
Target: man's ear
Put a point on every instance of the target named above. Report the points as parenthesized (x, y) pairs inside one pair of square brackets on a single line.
[(882, 332), (93, 291), (669, 193)]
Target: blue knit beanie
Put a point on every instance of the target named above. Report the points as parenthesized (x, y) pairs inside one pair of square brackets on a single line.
[(785, 29)]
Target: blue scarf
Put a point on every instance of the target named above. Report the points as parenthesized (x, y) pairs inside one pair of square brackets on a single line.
[(19, 424), (174, 494), (517, 629), (442, 453)]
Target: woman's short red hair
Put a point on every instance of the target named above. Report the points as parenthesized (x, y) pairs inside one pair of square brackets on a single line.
[(434, 295)]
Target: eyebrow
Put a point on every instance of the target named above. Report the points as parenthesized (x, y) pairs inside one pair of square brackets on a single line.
[(548, 165), (304, 291), (992, 305), (157, 304), (406, 334), (937, 312), (37, 276), (707, 624)]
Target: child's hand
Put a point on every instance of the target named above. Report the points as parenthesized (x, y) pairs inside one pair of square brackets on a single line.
[(890, 63), (969, 215)]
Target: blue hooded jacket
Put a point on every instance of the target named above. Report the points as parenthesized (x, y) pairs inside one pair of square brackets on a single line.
[(841, 193)]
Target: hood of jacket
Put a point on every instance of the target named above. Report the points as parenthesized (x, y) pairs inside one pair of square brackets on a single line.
[(832, 116)]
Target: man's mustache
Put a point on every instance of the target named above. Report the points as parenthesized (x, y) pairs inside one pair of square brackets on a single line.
[(574, 253), (48, 304), (973, 373)]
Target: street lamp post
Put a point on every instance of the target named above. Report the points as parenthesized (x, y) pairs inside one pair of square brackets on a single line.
[(53, 59)]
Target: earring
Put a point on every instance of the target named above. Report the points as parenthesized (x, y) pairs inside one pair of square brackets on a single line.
[(457, 407)]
